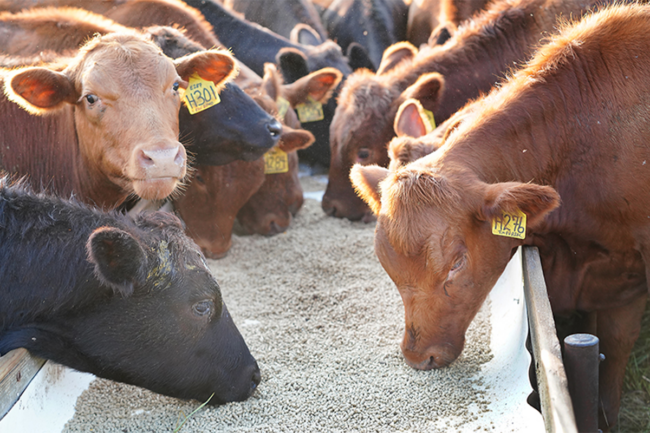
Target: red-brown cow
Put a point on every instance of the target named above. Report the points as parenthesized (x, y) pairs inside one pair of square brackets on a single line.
[(135, 13), (106, 125), (429, 19), (271, 209), (263, 203), (571, 127), (212, 199), (442, 78)]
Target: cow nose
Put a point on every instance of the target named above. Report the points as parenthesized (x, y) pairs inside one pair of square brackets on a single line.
[(162, 162), (275, 228), (275, 128), (327, 207), (255, 379)]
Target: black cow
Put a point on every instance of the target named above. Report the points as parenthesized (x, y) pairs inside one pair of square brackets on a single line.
[(254, 45), (236, 128), (374, 24), (131, 301)]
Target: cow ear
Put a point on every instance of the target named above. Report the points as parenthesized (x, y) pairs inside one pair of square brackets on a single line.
[(441, 34), (40, 90), (404, 150), (118, 258), (427, 89), (536, 201), (365, 180), (358, 57), (304, 34), (318, 85), (411, 121), (396, 54), (295, 139), (271, 81), (211, 65), (292, 64)]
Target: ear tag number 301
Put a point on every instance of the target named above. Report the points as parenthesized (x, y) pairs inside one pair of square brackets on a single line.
[(310, 111), (200, 94), (276, 161), (512, 225)]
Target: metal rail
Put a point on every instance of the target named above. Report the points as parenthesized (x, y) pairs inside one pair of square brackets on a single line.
[(553, 388)]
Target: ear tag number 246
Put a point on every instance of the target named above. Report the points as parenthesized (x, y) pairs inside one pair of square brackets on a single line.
[(200, 94), (512, 225)]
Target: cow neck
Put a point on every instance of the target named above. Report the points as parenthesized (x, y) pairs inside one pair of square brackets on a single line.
[(515, 137), (253, 45), (485, 49)]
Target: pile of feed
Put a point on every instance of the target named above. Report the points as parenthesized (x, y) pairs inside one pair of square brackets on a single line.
[(324, 322)]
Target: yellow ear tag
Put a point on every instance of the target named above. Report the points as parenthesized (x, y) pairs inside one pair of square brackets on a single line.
[(283, 107), (512, 225), (276, 161), (200, 94), (432, 121), (310, 111)]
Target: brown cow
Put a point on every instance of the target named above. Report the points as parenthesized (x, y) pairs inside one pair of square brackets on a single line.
[(110, 119), (442, 78), (135, 13), (570, 127), (429, 19), (263, 203), (270, 210), (411, 123), (212, 199)]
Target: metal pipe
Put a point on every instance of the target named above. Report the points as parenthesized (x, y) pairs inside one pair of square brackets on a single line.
[(581, 359)]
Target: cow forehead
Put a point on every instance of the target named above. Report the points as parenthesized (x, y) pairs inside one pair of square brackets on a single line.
[(133, 68)]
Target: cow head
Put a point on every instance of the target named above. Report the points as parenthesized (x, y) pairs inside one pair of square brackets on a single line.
[(271, 209), (126, 96), (363, 122), (210, 204), (235, 128), (434, 240), (145, 310)]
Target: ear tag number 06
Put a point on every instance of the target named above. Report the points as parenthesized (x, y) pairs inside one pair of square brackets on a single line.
[(512, 225), (200, 94), (276, 161)]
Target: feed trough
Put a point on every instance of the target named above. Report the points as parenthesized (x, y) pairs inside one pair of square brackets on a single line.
[(324, 322)]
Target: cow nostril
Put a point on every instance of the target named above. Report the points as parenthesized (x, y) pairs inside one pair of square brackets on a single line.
[(179, 159), (146, 160), (275, 228), (329, 210), (255, 380), (274, 127)]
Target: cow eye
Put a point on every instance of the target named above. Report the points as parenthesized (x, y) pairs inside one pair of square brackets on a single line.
[(91, 98), (363, 153), (175, 86), (199, 179), (457, 264), (203, 308)]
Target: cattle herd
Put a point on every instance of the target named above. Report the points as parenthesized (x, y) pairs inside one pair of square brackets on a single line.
[(465, 129)]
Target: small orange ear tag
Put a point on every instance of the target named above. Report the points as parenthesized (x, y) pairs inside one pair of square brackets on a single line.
[(432, 121), (310, 111), (512, 225), (276, 161), (200, 94), (283, 106)]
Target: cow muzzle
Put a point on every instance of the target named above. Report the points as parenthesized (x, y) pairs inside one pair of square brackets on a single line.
[(434, 356), (157, 172)]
